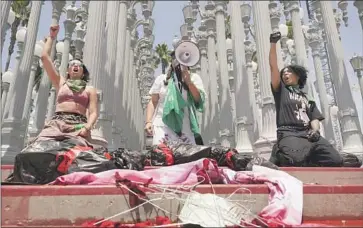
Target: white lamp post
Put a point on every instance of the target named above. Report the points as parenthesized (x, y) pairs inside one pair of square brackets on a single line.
[(284, 32), (20, 38), (37, 53), (357, 64), (11, 19), (7, 78)]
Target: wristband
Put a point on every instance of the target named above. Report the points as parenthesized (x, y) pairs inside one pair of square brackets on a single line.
[(78, 127)]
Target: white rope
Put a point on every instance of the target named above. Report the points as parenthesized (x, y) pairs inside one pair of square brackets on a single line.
[(177, 193)]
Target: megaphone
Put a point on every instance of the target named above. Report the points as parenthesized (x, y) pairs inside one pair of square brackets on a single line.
[(187, 53)]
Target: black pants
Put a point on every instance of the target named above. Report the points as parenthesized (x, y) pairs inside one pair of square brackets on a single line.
[(294, 149)]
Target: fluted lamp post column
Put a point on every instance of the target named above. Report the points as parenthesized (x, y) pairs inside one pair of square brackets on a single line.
[(94, 49), (225, 115), (244, 115), (118, 83), (357, 64), (275, 15), (28, 99), (5, 7), (80, 32), (267, 136), (202, 44), (11, 129), (314, 39), (51, 101), (20, 39), (7, 26), (42, 101), (37, 53), (298, 32), (250, 49), (213, 120), (6, 79), (69, 26), (284, 31), (351, 131), (231, 79), (359, 5), (113, 8)]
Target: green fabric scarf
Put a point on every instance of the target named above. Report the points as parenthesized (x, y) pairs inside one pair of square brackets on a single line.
[(173, 112), (76, 85)]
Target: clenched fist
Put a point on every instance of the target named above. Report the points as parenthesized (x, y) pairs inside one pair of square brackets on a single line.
[(54, 29), (274, 37)]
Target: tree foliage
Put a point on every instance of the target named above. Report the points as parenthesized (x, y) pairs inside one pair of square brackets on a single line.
[(163, 53)]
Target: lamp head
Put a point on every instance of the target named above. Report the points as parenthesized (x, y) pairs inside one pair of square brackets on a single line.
[(21, 34), (38, 50)]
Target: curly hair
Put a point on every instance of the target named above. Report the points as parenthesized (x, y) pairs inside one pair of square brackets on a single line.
[(85, 71), (300, 71)]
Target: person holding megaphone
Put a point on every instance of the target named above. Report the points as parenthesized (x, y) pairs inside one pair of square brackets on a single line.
[(175, 99)]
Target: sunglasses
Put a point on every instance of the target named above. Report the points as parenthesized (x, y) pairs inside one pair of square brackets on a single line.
[(75, 63)]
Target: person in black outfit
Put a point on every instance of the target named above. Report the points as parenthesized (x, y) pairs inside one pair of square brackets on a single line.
[(298, 119)]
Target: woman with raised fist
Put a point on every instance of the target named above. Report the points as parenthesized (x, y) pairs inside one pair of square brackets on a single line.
[(299, 142)]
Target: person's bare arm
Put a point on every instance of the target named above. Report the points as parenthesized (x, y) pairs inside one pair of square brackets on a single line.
[(92, 109), (151, 107), (275, 73), (47, 61)]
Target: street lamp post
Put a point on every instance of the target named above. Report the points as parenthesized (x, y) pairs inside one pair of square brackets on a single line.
[(7, 26), (28, 99), (359, 5), (11, 130), (20, 39), (6, 79), (357, 64)]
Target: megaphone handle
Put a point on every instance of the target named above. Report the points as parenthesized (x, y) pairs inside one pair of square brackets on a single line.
[(183, 68)]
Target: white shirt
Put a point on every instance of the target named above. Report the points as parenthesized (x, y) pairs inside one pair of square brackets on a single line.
[(161, 89)]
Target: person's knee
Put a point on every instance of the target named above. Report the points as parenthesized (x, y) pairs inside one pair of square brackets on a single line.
[(326, 154), (288, 156)]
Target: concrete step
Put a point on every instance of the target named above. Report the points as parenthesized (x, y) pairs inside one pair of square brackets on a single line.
[(72, 205), (318, 175)]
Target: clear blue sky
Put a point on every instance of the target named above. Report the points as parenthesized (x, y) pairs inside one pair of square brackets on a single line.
[(168, 18)]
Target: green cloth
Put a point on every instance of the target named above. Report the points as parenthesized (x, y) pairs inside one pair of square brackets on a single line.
[(78, 127), (76, 85), (173, 113)]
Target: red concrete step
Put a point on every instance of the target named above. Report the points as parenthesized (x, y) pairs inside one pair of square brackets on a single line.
[(72, 205), (319, 175)]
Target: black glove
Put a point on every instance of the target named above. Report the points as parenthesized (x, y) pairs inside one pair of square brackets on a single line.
[(274, 37), (313, 136)]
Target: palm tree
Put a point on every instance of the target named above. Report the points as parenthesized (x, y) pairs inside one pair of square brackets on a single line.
[(290, 33), (163, 53), (228, 27), (21, 8)]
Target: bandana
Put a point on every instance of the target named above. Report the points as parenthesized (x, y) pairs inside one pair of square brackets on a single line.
[(76, 85)]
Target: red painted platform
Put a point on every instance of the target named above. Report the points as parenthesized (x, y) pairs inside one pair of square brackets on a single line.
[(331, 176), (72, 205)]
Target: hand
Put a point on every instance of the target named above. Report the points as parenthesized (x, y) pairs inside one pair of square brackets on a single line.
[(313, 136), (85, 133), (274, 37), (185, 74), (148, 129), (54, 29)]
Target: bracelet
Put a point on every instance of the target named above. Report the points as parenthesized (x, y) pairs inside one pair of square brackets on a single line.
[(78, 127)]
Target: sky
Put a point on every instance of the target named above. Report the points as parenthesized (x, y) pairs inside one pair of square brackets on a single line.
[(168, 17)]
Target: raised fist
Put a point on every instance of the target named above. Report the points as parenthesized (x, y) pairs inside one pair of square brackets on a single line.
[(54, 29), (274, 37)]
